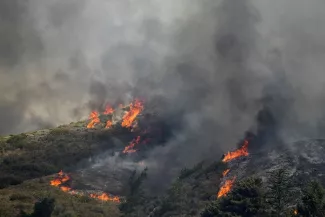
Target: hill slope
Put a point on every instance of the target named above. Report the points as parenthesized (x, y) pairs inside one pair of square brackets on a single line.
[(30, 161)]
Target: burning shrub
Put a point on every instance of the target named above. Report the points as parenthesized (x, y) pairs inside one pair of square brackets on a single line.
[(246, 199), (279, 191)]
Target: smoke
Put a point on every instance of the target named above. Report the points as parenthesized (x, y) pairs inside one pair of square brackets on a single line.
[(244, 66), (59, 59), (218, 66)]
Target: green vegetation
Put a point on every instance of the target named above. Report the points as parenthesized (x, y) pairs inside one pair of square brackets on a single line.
[(249, 198), (27, 161), (245, 200), (279, 191), (37, 154), (313, 201), (20, 201), (135, 196)]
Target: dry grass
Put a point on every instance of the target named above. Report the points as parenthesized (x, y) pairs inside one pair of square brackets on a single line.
[(22, 197)]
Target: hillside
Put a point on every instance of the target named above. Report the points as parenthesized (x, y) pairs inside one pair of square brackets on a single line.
[(100, 163), (29, 161)]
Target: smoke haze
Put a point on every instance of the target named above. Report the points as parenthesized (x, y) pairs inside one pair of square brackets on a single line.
[(214, 63)]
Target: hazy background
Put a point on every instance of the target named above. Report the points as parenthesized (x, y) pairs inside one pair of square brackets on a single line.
[(215, 63)]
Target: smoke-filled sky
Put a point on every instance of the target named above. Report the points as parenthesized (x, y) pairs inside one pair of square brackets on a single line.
[(213, 61)]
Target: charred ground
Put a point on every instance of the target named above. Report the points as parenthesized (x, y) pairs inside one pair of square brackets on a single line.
[(95, 161)]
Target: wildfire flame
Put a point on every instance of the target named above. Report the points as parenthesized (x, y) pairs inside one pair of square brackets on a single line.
[(130, 148), (109, 124), (65, 189), (226, 187), (130, 116), (94, 119), (109, 110), (105, 197), (62, 178), (224, 173), (243, 151), (295, 212)]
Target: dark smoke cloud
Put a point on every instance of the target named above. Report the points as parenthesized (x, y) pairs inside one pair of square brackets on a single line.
[(60, 59), (219, 67), (231, 76)]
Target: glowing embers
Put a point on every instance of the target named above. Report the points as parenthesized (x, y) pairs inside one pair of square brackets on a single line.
[(135, 109), (243, 151), (226, 187)]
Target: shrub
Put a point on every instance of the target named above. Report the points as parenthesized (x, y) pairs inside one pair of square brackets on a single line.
[(8, 180), (17, 141), (20, 197)]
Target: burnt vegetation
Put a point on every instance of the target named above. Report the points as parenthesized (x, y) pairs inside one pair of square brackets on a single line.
[(28, 159)]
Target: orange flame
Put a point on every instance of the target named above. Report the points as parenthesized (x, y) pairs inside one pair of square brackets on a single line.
[(243, 151), (62, 178), (65, 189), (94, 119), (109, 124), (109, 110), (105, 197), (129, 117), (295, 212), (130, 148), (226, 187), (224, 173)]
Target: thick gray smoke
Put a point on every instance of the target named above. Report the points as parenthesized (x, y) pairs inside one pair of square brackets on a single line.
[(214, 63), (59, 59), (234, 59)]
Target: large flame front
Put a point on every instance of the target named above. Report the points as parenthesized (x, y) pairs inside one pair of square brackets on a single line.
[(295, 212), (105, 197), (130, 148), (243, 151), (94, 119), (226, 187), (130, 116)]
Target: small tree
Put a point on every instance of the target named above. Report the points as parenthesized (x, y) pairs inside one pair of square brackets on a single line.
[(313, 201), (279, 191), (43, 208), (246, 200), (135, 195)]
